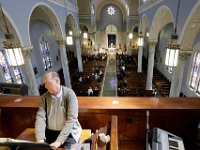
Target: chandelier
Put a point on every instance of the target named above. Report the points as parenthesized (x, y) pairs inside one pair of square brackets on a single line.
[(12, 49), (172, 53)]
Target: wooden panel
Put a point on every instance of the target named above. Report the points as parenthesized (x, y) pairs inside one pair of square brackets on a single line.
[(175, 115), (85, 134), (109, 103), (29, 134), (114, 134)]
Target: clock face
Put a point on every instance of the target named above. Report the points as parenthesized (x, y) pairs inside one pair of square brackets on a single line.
[(111, 10)]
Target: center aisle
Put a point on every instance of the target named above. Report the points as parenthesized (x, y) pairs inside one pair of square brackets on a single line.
[(109, 87)]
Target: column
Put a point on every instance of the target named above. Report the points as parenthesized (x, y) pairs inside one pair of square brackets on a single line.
[(152, 45), (28, 73), (140, 53), (95, 42), (91, 41), (178, 74), (64, 62), (78, 51)]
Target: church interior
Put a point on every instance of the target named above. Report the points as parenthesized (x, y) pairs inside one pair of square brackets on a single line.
[(133, 64)]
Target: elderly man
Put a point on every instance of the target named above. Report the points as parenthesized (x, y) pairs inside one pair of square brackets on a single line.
[(57, 117)]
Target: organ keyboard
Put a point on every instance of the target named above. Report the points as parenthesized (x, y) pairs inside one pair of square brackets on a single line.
[(163, 140)]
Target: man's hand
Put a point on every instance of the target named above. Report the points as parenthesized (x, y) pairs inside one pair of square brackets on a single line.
[(55, 144), (41, 141)]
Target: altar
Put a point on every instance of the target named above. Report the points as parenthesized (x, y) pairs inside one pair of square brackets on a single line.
[(112, 49)]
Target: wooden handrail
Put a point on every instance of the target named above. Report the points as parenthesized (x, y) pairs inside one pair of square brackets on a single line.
[(109, 103)]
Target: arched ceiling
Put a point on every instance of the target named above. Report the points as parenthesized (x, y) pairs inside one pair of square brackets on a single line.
[(128, 7), (144, 24), (162, 17), (191, 28), (43, 13), (9, 25)]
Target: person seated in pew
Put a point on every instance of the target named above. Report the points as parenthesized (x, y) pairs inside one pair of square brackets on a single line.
[(96, 91), (57, 117), (90, 91)]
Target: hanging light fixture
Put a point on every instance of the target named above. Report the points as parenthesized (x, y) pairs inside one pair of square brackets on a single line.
[(70, 33), (85, 35), (12, 49), (140, 37), (69, 38), (172, 53), (130, 36)]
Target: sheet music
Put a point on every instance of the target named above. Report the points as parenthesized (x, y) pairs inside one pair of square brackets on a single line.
[(29, 145)]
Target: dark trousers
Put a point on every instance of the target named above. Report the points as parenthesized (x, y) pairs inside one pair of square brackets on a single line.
[(51, 136)]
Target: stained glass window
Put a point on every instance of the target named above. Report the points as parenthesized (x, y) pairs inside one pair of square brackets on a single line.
[(195, 73), (11, 74), (46, 57), (17, 74), (111, 10)]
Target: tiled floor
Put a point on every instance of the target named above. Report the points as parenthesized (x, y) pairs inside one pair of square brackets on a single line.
[(110, 79)]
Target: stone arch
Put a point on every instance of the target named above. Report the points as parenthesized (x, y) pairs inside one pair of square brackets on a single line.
[(143, 24), (191, 28), (84, 27), (48, 15), (111, 29), (134, 28), (11, 27), (101, 5), (162, 17), (70, 20)]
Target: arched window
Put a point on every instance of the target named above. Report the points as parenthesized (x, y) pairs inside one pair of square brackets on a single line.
[(46, 57), (11, 74), (195, 73)]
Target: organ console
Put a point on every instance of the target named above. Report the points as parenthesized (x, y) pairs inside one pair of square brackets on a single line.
[(13, 89), (163, 140)]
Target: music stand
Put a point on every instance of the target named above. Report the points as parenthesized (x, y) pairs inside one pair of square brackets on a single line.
[(23, 145)]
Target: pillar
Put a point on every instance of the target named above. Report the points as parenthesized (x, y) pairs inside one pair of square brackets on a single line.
[(140, 53), (64, 61), (78, 51), (178, 75), (28, 73), (152, 45)]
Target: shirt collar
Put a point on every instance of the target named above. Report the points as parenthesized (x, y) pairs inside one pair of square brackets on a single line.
[(59, 95)]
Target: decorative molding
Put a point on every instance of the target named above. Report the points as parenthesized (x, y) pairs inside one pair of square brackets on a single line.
[(64, 3), (60, 42), (84, 16), (133, 17), (184, 54), (147, 5), (27, 51), (152, 43), (77, 37)]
